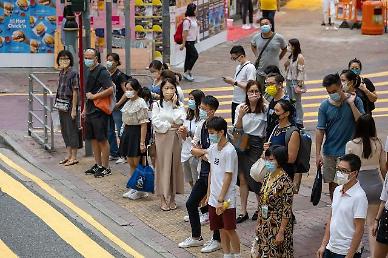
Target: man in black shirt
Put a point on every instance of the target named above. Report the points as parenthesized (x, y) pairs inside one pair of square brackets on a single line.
[(98, 85)]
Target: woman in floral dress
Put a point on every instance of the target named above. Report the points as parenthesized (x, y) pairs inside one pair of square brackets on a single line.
[(274, 223)]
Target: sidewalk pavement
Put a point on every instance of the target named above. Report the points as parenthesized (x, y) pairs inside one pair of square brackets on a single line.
[(325, 52)]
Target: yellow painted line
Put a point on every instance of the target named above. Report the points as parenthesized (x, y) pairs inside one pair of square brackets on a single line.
[(318, 104), (304, 5), (5, 251), (323, 89), (65, 229), (81, 213)]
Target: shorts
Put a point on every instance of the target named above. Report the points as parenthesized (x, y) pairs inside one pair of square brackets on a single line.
[(96, 125), (382, 230), (329, 168), (226, 220)]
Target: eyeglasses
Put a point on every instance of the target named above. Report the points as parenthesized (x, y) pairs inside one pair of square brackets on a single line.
[(64, 58), (235, 58), (343, 170), (251, 92)]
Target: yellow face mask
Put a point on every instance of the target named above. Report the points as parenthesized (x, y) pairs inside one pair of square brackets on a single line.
[(271, 90)]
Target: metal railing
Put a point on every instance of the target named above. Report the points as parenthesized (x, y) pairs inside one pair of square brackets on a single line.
[(40, 108)]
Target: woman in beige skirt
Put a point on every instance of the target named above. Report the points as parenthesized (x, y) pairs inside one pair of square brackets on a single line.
[(168, 115)]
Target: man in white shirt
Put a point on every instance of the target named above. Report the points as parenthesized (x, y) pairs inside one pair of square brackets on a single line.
[(345, 228), (245, 71), (386, 150), (222, 157)]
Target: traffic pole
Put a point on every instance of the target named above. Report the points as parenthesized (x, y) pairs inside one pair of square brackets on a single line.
[(166, 31), (108, 18), (127, 18)]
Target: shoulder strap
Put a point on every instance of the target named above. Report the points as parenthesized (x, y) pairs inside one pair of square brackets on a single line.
[(289, 132), (263, 49), (239, 71)]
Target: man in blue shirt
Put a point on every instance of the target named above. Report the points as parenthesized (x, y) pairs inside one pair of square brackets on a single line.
[(336, 122)]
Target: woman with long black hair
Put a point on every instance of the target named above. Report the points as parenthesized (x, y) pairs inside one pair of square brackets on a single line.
[(190, 32), (369, 148), (295, 77)]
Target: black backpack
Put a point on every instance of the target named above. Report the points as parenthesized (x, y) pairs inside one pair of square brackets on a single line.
[(302, 163)]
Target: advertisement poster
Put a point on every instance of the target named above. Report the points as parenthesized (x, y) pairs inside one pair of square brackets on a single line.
[(27, 26)]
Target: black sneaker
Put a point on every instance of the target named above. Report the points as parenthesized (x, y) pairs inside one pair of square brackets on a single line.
[(92, 170), (103, 172), (241, 218)]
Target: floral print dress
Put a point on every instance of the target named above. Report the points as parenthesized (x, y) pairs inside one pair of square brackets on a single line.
[(279, 206)]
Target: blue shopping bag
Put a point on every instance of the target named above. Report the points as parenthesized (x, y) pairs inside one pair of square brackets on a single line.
[(142, 179)]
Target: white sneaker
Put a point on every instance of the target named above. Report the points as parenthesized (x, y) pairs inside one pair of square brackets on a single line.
[(188, 77), (246, 27), (186, 218), (191, 242), (121, 161), (211, 246), (129, 193), (136, 195), (335, 27), (204, 218), (255, 25)]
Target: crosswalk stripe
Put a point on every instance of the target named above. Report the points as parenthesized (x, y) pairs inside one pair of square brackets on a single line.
[(230, 88), (5, 251), (53, 218), (81, 213)]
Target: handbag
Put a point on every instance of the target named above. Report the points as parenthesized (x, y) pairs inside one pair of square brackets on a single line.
[(142, 178), (240, 140), (103, 104), (62, 104), (316, 191), (258, 170)]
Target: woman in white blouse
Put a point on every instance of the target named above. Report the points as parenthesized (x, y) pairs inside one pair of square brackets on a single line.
[(135, 119), (369, 148), (186, 131), (251, 118), (168, 115)]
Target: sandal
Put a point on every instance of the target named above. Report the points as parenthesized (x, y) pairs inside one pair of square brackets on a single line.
[(71, 162), (164, 206), (63, 161), (173, 206)]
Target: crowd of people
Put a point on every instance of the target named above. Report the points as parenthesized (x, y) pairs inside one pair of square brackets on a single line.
[(187, 141)]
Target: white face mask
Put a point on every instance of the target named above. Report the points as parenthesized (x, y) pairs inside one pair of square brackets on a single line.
[(341, 178), (345, 86), (129, 94)]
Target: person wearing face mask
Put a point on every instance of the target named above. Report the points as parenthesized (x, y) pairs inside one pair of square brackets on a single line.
[(135, 119), (274, 91), (349, 208), (200, 144), (337, 118), (369, 148), (119, 79), (168, 115), (268, 9), (167, 73), (364, 87), (245, 71), (68, 94), (286, 134), (274, 231), (268, 47), (98, 85), (221, 193), (156, 67), (295, 77), (186, 132), (251, 119)]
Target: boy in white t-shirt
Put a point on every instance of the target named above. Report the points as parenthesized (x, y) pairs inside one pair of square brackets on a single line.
[(222, 157)]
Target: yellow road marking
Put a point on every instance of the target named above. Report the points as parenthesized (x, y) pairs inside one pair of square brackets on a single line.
[(81, 213), (304, 5), (53, 218), (5, 251)]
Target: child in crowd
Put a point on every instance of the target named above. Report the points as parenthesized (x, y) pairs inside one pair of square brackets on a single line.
[(222, 188)]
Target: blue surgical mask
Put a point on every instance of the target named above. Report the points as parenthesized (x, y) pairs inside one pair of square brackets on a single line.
[(89, 62), (265, 28), (214, 138), (270, 166), (202, 114), (191, 104), (109, 64), (356, 71), (335, 97)]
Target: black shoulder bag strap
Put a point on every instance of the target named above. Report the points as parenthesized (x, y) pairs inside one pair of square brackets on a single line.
[(257, 63), (239, 71)]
